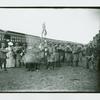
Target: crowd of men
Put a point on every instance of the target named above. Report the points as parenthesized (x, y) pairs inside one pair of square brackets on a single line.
[(57, 54), (51, 55)]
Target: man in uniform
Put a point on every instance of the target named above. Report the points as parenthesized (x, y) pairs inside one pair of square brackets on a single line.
[(79, 54), (59, 50), (23, 54), (76, 56), (3, 56), (68, 55), (83, 62), (45, 50), (17, 56), (89, 53)]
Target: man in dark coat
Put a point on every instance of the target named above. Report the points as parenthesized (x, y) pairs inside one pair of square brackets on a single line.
[(89, 53), (3, 56)]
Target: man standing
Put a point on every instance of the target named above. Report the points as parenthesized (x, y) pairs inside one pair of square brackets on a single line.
[(59, 50), (75, 56), (68, 55), (3, 56), (89, 53), (79, 55), (17, 56)]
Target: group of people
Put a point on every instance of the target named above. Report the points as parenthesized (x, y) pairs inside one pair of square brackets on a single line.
[(50, 54), (55, 55), (10, 55)]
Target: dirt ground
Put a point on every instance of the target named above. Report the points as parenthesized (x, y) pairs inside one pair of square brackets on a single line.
[(65, 78)]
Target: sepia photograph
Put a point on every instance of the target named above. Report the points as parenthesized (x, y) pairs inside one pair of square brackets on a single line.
[(48, 50)]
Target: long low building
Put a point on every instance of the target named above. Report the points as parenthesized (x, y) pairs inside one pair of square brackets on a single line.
[(27, 39), (12, 36), (18, 37)]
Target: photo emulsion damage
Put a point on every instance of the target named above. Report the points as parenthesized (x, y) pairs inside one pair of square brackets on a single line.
[(49, 50)]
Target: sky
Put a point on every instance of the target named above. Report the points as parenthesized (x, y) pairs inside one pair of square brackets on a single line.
[(77, 25), (49, 2)]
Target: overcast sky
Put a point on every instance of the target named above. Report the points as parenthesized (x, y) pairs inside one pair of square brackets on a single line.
[(49, 2), (77, 25)]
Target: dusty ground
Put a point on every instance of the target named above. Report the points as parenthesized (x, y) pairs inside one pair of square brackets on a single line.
[(61, 79)]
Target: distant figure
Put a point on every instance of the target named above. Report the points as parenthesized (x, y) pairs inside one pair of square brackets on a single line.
[(68, 55), (79, 50), (3, 56), (10, 55), (59, 50), (51, 59), (45, 56), (84, 62), (23, 52), (17, 51), (89, 53), (75, 57)]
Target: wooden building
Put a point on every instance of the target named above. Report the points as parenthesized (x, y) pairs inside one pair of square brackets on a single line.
[(12, 36), (27, 39)]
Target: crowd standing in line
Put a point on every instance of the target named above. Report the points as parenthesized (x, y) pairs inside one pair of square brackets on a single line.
[(75, 55), (50, 54)]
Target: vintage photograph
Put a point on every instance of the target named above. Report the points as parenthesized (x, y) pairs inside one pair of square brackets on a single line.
[(49, 50)]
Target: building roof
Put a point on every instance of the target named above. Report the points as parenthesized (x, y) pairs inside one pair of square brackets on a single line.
[(15, 32)]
